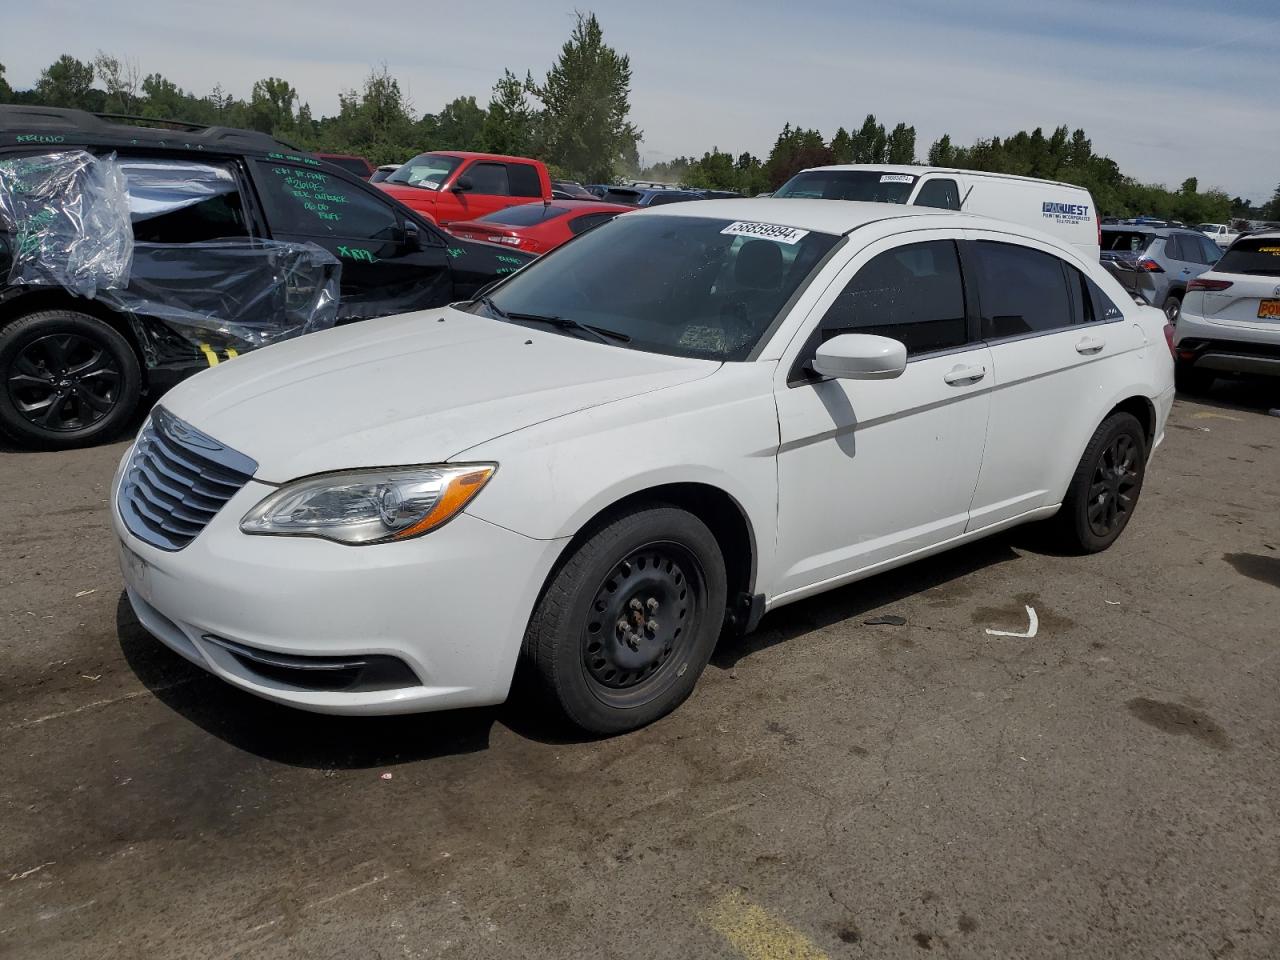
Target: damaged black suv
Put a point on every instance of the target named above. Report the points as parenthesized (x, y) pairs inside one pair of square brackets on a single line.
[(134, 254)]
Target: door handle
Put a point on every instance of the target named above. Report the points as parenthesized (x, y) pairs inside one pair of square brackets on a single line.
[(963, 375), (1090, 345)]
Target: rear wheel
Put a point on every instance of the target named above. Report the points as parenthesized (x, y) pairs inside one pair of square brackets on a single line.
[(1107, 483), (1173, 307), (629, 621), (68, 380)]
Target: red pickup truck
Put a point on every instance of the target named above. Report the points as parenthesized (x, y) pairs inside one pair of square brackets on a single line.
[(451, 185)]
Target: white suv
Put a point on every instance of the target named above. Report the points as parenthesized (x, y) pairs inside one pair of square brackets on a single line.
[(1230, 319), (676, 422)]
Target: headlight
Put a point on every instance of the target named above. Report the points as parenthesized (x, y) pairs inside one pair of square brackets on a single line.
[(369, 506)]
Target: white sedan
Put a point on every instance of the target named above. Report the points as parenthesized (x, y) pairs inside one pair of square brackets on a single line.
[(682, 419)]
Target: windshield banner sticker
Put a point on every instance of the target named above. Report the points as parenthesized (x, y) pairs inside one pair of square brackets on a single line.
[(897, 178), (1065, 212), (765, 231)]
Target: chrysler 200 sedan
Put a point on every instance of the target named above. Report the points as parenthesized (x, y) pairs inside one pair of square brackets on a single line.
[(670, 425)]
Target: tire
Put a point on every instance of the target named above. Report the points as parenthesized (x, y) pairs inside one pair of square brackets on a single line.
[(1099, 502), (42, 407), (1187, 379), (1172, 307), (629, 620)]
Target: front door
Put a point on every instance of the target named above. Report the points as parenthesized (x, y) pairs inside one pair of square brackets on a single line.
[(870, 471), (391, 262)]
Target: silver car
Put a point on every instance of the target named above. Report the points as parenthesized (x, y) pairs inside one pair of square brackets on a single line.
[(1157, 263)]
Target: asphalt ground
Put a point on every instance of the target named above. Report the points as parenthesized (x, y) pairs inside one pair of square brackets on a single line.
[(1106, 788)]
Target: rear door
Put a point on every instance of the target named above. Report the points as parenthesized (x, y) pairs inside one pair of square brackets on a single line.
[(392, 262), (1058, 345)]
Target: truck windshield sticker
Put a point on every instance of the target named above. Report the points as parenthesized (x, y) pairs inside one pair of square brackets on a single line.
[(765, 231), (897, 178), (1064, 212)]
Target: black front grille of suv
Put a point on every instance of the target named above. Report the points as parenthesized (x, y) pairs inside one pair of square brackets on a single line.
[(176, 481)]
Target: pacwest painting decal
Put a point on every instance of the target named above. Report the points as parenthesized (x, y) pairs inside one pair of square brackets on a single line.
[(1065, 212)]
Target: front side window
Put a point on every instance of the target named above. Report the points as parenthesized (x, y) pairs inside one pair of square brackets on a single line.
[(869, 185), (686, 286), (180, 201), (489, 179), (312, 203), (1021, 290), (940, 193), (913, 294), (1257, 256), (426, 170)]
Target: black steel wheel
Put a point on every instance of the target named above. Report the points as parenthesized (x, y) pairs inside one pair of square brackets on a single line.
[(69, 379), (1104, 490), (629, 619)]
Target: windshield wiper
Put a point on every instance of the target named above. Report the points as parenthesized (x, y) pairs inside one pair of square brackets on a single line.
[(603, 334), (496, 310)]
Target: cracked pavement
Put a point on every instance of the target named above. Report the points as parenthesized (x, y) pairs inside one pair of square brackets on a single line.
[(1108, 788)]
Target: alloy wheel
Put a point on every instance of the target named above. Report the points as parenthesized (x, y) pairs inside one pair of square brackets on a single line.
[(63, 382), (1111, 491)]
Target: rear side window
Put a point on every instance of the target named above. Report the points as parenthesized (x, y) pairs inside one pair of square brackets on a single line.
[(1089, 303), (524, 180), (1259, 256), (312, 203), (489, 179), (588, 220), (1021, 290), (943, 194), (1173, 248), (913, 294), (178, 201)]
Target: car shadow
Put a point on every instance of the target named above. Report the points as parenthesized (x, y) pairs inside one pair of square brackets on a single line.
[(882, 590), (1248, 394)]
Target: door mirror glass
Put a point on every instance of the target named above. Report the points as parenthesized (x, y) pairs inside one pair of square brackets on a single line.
[(411, 237), (462, 184), (860, 356)]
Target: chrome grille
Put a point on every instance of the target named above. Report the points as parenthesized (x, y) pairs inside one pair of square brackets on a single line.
[(176, 481)]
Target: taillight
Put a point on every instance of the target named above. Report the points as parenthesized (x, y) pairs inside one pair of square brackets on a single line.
[(1201, 284), (1168, 338), (1149, 265)]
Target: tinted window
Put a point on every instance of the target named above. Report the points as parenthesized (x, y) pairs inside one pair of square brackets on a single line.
[(869, 185), (588, 220), (1252, 255), (1126, 241), (939, 193), (489, 179), (1089, 303), (660, 198), (526, 214), (621, 195), (178, 201), (676, 285), (1021, 290), (913, 294), (354, 165), (524, 179), (426, 170), (1173, 248), (317, 204), (1210, 251)]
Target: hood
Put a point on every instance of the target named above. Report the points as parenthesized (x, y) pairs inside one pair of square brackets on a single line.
[(415, 388)]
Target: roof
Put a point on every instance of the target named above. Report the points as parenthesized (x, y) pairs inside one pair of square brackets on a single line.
[(472, 155), (835, 217), (1147, 228), (917, 171), (55, 125)]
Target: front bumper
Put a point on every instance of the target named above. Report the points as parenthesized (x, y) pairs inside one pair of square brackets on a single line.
[(451, 605)]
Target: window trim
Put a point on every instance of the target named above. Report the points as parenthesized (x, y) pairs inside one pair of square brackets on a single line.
[(937, 178)]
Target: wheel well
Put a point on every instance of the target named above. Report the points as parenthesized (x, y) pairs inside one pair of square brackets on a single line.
[(58, 299), (1144, 410)]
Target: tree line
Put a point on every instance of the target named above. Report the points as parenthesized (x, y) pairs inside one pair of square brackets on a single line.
[(577, 119)]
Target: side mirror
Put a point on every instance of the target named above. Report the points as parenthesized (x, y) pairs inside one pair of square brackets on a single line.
[(411, 236), (462, 184), (860, 356)]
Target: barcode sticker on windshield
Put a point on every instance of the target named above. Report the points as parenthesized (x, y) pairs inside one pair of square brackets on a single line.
[(765, 231), (897, 178)]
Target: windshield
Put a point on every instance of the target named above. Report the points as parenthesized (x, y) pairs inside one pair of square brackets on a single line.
[(427, 170), (871, 185), (684, 286), (1125, 241), (1209, 227), (1259, 256)]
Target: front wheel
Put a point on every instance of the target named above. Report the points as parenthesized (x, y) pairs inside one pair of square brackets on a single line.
[(68, 380), (629, 620), (1106, 485)]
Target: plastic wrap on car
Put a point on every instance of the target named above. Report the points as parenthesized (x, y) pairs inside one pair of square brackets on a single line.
[(228, 295), (66, 216)]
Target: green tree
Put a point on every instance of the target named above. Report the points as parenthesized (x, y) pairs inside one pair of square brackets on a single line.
[(586, 100), (842, 147), (120, 81), (65, 83), (271, 105), (942, 154), (461, 125), (1190, 185), (793, 151), (376, 123), (870, 144), (509, 124), (6, 91), (1272, 210), (900, 146)]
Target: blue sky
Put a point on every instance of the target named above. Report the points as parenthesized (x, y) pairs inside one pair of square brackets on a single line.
[(1169, 90)]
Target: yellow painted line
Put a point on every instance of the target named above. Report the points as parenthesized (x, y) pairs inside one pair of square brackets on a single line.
[(231, 354), (756, 934), (210, 355)]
